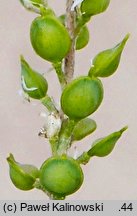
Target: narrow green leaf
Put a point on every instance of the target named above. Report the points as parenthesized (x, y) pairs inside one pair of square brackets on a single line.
[(33, 83), (104, 146), (83, 128), (106, 62)]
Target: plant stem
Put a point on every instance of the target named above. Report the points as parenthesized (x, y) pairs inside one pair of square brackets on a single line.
[(70, 58), (83, 158), (65, 136), (54, 143), (80, 23), (45, 3), (38, 186), (61, 76), (49, 104)]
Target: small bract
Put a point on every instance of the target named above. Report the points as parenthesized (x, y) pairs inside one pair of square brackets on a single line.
[(82, 97), (49, 38), (61, 175)]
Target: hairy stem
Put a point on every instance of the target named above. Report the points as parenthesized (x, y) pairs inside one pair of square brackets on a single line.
[(70, 25)]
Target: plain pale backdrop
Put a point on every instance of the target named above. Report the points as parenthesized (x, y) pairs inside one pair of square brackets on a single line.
[(112, 177)]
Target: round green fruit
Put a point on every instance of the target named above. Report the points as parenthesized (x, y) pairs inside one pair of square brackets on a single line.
[(82, 97), (61, 175), (49, 38)]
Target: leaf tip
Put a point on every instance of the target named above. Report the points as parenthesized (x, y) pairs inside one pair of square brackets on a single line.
[(21, 57), (126, 38), (124, 129), (10, 158)]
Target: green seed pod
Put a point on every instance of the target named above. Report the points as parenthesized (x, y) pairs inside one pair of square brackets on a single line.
[(82, 97), (106, 62), (49, 38), (83, 128), (33, 83), (82, 38), (61, 175), (93, 7), (104, 146), (23, 176)]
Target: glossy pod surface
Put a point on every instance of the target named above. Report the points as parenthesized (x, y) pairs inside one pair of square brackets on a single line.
[(93, 7), (106, 62), (50, 38), (82, 97), (82, 38), (23, 176), (83, 128), (61, 175), (104, 146), (33, 83)]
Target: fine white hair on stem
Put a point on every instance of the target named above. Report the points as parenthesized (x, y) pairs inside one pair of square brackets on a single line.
[(75, 4), (52, 125)]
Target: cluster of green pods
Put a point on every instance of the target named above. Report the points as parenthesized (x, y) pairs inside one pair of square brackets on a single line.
[(61, 175), (58, 175), (83, 95)]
